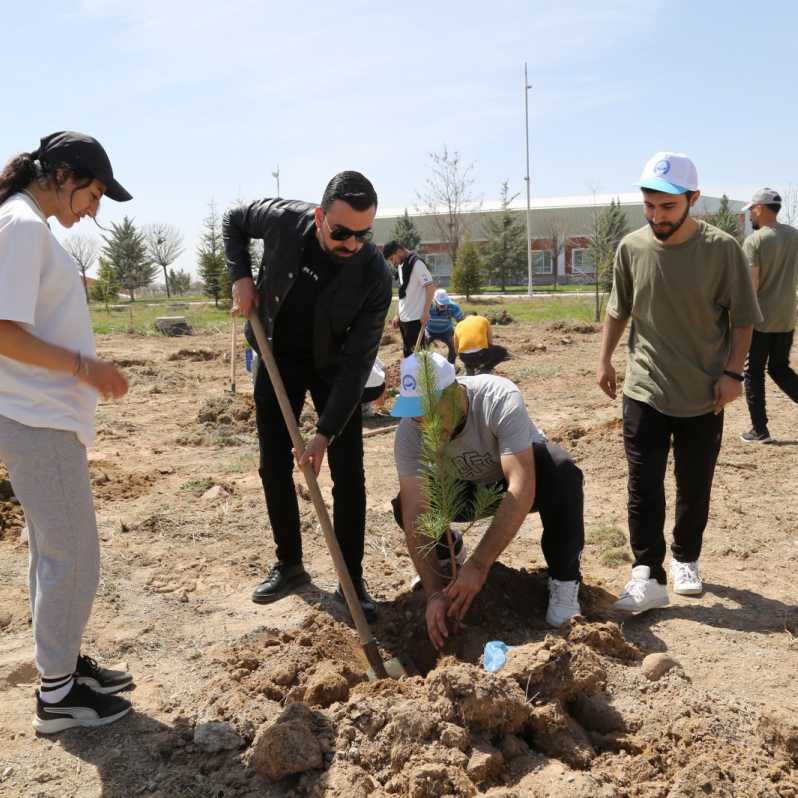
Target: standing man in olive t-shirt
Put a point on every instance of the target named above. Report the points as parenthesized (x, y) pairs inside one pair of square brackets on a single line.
[(685, 286), (772, 254)]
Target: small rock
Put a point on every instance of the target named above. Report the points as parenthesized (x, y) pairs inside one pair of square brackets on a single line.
[(513, 746), (213, 736), (290, 745), (24, 534), (655, 666), (326, 686), (5, 619), (216, 493), (284, 674), (485, 762), (6, 773), (453, 736)]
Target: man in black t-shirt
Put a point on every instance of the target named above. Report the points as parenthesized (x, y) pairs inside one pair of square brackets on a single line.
[(322, 293)]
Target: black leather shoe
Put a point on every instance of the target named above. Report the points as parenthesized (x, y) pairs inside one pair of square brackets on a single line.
[(282, 580), (368, 604)]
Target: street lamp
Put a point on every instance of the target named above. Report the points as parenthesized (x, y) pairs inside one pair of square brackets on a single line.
[(530, 288), (276, 176)]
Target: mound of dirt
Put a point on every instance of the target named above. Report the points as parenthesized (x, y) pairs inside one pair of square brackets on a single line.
[(501, 319), (194, 355), (236, 412), (111, 483), (12, 519), (569, 327)]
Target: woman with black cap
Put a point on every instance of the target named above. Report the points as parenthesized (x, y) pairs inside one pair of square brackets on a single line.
[(49, 382)]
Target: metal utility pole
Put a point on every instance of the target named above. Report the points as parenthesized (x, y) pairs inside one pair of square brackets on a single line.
[(530, 288), (276, 176)]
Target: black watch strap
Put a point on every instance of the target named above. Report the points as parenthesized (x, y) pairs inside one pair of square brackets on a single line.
[(734, 375)]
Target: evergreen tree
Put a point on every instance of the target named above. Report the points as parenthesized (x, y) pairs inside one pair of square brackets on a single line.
[(441, 485), (725, 219), (179, 281), (106, 286), (126, 251), (609, 227), (466, 278), (405, 232), (505, 252), (212, 265)]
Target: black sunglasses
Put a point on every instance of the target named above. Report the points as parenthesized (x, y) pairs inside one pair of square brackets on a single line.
[(341, 233)]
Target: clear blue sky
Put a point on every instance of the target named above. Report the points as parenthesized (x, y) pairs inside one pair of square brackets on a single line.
[(195, 101)]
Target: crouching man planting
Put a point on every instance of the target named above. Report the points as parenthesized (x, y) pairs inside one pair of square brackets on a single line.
[(485, 439)]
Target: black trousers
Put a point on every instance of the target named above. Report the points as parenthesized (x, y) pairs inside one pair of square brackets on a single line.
[(771, 350), (447, 338), (559, 499), (647, 436), (410, 332), (345, 456), (483, 360)]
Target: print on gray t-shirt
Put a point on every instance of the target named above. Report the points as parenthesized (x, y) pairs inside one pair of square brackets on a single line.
[(498, 424)]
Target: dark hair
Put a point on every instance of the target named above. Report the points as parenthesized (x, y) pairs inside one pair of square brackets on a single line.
[(351, 187), (391, 247), (773, 206), (23, 169), (688, 194)]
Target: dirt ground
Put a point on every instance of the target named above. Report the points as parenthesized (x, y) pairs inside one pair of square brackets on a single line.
[(235, 699)]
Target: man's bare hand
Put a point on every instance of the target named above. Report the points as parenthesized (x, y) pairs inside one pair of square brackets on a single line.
[(437, 629), (606, 379), (314, 452), (462, 591), (104, 377), (727, 390), (245, 297)]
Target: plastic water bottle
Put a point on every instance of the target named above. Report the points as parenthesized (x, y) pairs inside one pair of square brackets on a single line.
[(495, 655)]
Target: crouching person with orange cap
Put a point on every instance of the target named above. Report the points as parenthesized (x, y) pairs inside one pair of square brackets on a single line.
[(492, 441)]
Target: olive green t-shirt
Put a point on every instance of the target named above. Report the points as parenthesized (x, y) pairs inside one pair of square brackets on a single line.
[(683, 301), (774, 251)]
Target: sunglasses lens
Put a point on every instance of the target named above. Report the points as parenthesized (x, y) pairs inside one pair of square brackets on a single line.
[(344, 233)]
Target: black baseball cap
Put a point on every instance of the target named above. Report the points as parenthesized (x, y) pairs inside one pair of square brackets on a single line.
[(82, 152)]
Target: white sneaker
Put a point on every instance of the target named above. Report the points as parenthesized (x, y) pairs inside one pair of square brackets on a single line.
[(444, 566), (563, 602), (642, 593), (686, 580)]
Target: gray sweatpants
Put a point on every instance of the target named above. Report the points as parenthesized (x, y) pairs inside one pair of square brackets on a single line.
[(50, 476)]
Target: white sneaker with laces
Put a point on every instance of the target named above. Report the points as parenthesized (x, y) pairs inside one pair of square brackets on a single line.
[(563, 602), (642, 592), (686, 579)]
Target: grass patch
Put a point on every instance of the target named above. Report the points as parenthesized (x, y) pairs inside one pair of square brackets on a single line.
[(139, 317), (535, 372), (613, 545), (197, 486)]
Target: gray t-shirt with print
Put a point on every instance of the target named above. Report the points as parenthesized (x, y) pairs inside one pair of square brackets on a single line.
[(497, 424)]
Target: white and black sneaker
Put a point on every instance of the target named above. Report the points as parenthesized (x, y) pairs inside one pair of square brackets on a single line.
[(81, 707), (752, 436), (101, 680)]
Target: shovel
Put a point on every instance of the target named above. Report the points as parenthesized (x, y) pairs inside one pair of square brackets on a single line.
[(233, 356), (379, 669)]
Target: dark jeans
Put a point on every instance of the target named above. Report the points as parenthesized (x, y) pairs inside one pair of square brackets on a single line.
[(345, 456), (559, 500), (447, 338), (771, 350), (483, 361), (647, 435), (410, 332)]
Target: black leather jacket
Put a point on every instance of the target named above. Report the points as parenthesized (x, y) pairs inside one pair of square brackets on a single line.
[(350, 312)]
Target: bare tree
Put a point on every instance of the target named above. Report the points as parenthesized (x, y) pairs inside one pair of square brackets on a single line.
[(446, 194), (84, 250), (789, 205), (164, 246)]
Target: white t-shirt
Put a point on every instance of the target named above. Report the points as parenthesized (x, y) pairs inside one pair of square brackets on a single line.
[(411, 308), (41, 290)]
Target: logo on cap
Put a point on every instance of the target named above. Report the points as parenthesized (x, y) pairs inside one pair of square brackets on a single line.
[(409, 382), (662, 168)]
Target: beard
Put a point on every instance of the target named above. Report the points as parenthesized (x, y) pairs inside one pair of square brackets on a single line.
[(667, 229), (755, 225), (338, 255)]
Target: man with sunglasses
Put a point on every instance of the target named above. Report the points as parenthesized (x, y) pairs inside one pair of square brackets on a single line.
[(322, 293)]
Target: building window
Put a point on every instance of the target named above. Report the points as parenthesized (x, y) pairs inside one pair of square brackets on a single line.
[(582, 262), (541, 261), (438, 264)]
